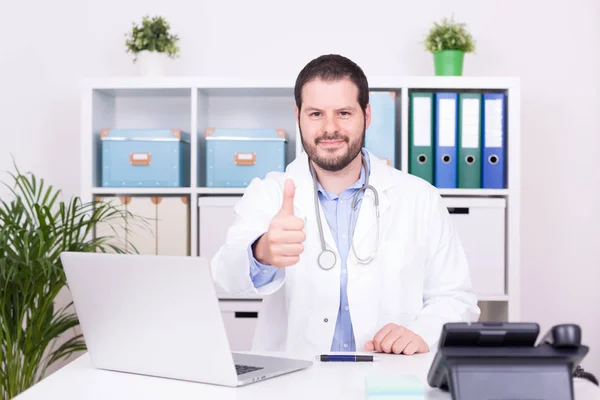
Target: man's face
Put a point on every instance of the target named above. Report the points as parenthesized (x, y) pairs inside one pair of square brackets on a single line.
[(332, 124)]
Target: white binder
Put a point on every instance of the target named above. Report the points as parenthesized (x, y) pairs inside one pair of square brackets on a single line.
[(172, 226), (114, 227), (141, 225)]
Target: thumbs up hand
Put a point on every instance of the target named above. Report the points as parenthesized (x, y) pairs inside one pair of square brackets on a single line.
[(282, 245), (287, 205)]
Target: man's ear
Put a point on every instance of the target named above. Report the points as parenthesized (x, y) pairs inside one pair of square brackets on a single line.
[(367, 116)]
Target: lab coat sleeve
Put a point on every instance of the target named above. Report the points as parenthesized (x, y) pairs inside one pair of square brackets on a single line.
[(448, 294), (230, 266)]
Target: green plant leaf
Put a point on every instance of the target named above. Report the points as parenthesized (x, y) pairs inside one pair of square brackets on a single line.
[(35, 228), (153, 34)]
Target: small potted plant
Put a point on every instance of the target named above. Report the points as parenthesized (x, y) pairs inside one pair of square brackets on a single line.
[(449, 40), (152, 44)]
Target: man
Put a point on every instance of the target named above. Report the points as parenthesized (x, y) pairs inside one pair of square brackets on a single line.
[(385, 283)]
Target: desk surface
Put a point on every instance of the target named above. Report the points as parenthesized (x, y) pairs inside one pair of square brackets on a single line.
[(79, 380)]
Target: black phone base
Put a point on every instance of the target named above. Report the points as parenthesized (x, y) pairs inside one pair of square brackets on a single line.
[(517, 373), (505, 382)]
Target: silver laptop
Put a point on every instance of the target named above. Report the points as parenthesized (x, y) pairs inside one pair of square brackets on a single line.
[(159, 316)]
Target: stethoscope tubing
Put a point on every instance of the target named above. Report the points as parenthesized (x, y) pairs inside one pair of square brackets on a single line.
[(327, 258)]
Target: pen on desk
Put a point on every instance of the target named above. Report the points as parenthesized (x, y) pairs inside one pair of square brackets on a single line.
[(346, 358)]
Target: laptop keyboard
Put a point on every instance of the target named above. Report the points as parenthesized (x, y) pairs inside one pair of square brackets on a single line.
[(244, 369)]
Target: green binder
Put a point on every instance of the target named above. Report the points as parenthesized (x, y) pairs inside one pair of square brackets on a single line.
[(421, 131), (469, 141)]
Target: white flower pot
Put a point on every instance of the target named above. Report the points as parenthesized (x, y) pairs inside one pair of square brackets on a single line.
[(151, 63)]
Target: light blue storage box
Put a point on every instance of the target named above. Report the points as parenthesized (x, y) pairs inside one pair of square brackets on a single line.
[(380, 138), (235, 156), (145, 158)]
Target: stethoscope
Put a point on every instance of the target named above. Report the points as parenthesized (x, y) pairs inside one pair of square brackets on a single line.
[(327, 258)]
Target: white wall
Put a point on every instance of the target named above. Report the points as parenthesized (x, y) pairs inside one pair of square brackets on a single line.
[(552, 46)]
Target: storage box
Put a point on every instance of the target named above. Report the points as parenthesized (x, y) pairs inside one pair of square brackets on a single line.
[(380, 138), (481, 227), (161, 224), (235, 156), (145, 158)]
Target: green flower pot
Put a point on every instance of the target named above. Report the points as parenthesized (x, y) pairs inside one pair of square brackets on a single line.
[(449, 62)]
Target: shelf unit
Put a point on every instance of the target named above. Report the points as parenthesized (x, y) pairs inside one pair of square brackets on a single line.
[(240, 191), (196, 103)]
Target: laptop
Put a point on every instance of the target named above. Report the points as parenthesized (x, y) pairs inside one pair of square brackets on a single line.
[(160, 316)]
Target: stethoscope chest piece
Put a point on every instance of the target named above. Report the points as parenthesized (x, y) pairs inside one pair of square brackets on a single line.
[(327, 259)]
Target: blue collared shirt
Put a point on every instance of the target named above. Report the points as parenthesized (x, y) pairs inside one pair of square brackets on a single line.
[(337, 211)]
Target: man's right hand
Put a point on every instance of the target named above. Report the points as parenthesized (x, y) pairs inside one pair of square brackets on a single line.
[(281, 245)]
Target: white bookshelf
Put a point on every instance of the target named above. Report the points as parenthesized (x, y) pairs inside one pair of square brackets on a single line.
[(195, 103)]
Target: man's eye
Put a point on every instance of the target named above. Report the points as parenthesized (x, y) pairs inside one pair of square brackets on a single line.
[(315, 114), (345, 113)]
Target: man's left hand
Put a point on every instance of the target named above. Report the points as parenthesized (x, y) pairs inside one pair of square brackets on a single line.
[(397, 339)]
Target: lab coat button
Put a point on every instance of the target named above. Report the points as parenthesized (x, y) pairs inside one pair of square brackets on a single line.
[(326, 320)]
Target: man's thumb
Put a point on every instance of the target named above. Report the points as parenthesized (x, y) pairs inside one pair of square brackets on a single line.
[(287, 206)]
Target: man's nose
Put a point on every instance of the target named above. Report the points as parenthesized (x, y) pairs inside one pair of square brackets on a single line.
[(331, 125)]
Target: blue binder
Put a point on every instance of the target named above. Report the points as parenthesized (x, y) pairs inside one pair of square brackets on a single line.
[(446, 115), (494, 127)]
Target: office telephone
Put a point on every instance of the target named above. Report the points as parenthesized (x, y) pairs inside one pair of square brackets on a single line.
[(500, 360)]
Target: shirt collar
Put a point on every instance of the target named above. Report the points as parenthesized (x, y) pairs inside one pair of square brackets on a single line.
[(350, 189)]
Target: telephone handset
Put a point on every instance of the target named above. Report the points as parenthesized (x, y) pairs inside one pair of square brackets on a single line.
[(568, 336), (500, 360)]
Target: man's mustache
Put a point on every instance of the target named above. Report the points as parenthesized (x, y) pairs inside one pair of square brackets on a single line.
[(334, 136)]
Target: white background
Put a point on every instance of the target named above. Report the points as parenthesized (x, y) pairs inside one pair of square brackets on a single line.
[(47, 47)]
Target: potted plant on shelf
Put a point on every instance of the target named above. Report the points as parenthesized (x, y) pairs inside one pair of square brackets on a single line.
[(35, 228), (448, 41), (152, 44)]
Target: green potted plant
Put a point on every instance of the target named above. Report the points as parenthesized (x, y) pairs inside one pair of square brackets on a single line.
[(36, 226), (152, 44), (448, 41)]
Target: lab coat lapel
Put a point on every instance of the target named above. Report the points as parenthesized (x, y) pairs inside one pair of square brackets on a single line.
[(364, 234)]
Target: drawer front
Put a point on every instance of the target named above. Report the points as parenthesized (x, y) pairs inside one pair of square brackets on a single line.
[(215, 217), (234, 163), (481, 227), (240, 318)]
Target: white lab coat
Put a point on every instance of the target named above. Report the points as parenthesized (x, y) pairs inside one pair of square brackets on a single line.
[(419, 278)]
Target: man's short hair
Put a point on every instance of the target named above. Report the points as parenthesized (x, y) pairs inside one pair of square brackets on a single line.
[(333, 68)]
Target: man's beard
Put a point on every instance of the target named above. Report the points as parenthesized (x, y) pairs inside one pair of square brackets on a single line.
[(332, 163)]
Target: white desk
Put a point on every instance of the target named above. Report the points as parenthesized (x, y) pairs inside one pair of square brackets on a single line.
[(328, 381)]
